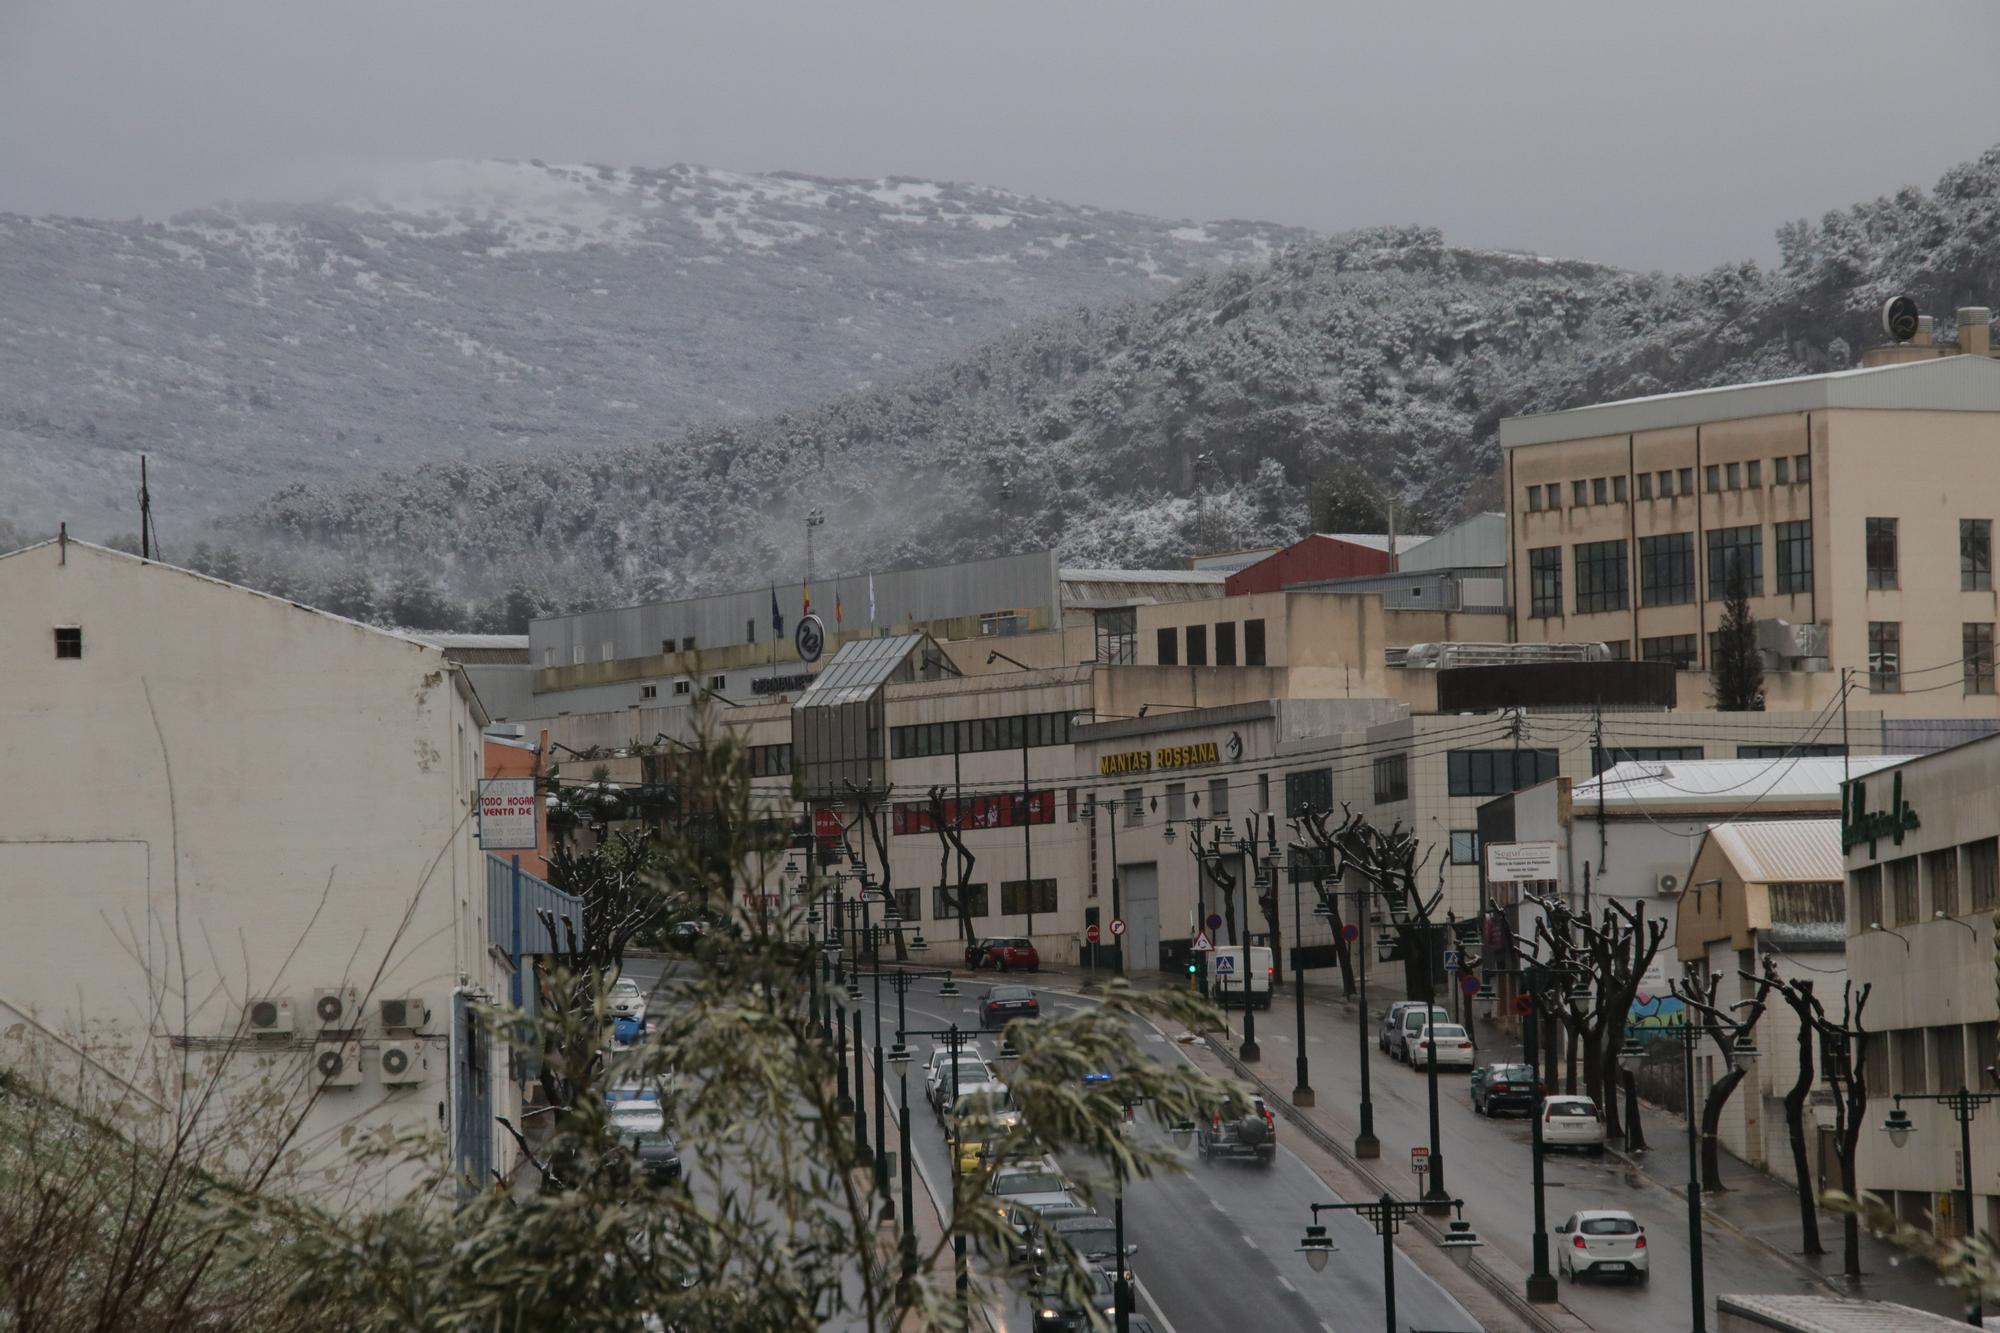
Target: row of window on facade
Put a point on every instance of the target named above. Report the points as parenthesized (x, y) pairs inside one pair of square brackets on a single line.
[(979, 734), (684, 686), (1965, 878), (1930, 1059), (1169, 639), (1017, 898), (1666, 483), (1005, 810)]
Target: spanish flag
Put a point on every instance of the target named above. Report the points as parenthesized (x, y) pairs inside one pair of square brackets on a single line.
[(836, 603), (805, 590)]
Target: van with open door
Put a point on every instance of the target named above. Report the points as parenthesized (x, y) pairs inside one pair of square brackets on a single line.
[(1236, 973)]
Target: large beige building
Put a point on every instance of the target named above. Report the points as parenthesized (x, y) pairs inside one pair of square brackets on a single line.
[(242, 855), (1859, 507)]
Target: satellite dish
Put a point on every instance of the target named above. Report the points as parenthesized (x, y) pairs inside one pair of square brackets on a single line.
[(1899, 318)]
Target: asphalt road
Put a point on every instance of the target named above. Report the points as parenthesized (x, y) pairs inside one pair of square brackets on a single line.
[(1488, 1163)]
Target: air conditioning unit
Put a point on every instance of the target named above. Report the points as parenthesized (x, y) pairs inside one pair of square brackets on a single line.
[(406, 1013), (1667, 884), (401, 1061), (338, 1063), (339, 1007), (269, 1016)]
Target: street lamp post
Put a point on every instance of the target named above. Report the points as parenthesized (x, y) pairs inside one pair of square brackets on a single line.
[(954, 1040), (1387, 1215), (1249, 1052), (1366, 1145), (901, 979), (1302, 1094), (1540, 978), (1964, 1107), (1435, 1195)]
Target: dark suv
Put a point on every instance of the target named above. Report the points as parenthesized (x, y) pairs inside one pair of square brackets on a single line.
[(1003, 953)]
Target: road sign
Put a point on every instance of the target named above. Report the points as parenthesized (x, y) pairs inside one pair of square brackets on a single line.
[(1420, 1160), (1524, 1005), (1214, 921), (1090, 933), (1225, 965), (1451, 960), (1350, 932), (1469, 984), (1117, 925), (1520, 862), (1202, 943), (507, 814)]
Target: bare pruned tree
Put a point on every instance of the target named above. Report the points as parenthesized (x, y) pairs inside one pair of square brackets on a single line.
[(1325, 863), (1729, 1028), (948, 823), (1390, 862)]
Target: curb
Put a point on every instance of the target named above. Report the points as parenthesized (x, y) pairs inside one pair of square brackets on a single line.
[(1505, 1289), (1709, 1215)]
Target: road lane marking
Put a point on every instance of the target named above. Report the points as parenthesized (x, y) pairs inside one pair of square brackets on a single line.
[(1251, 1243), (1286, 1283), (1217, 1205)]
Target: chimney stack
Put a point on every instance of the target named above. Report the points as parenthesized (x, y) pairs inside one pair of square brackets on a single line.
[(1975, 331)]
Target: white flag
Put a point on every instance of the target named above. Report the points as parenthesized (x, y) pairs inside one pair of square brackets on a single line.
[(871, 599)]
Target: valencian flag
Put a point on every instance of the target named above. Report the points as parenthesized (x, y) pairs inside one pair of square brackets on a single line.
[(836, 603), (777, 616)]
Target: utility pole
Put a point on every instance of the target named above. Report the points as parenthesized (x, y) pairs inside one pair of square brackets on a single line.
[(145, 514), (815, 518), (1028, 828)]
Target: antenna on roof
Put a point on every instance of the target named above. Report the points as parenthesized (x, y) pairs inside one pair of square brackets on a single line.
[(145, 514)]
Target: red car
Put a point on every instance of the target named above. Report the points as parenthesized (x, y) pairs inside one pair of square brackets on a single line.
[(1003, 954)]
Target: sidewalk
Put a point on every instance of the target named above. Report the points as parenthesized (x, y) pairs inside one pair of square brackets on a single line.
[(1755, 1206)]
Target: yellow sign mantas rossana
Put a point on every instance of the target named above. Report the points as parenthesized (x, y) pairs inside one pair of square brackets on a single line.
[(1167, 756)]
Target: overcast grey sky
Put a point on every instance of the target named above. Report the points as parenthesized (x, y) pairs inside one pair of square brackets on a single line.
[(1660, 135)]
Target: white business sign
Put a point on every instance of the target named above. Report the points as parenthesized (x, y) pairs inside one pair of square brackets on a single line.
[(507, 814), (1515, 862)]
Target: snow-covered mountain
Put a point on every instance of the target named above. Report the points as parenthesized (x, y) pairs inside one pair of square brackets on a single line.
[(475, 310)]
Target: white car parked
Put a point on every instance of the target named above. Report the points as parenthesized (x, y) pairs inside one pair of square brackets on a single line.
[(627, 1000), (1605, 1242), (1454, 1047), (1572, 1122), (972, 1068)]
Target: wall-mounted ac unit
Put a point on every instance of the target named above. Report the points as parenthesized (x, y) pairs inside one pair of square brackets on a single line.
[(1667, 884), (338, 1063), (338, 1007), (404, 1013), (401, 1061), (268, 1016)]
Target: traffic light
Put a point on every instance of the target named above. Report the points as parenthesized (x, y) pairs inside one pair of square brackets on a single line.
[(1191, 967)]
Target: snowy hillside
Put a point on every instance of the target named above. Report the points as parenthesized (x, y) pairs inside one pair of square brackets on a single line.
[(476, 310), (1382, 359)]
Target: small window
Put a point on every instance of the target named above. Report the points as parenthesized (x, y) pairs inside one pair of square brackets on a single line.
[(1711, 478), (1686, 486), (1733, 476), (1534, 499), (1781, 472), (608, 649), (1645, 485), (750, 630), (1253, 643), (1225, 643), (1885, 656), (1881, 550), (1168, 649), (1579, 493), (1464, 847), (682, 687), (666, 646), (1218, 798), (1975, 554), (1753, 473), (1176, 801), (1599, 493), (1666, 483), (718, 682), (649, 691), (1197, 645), (1134, 802), (69, 641), (1392, 778), (1618, 490), (1801, 467), (687, 644), (1941, 880), (1976, 645), (1902, 875)]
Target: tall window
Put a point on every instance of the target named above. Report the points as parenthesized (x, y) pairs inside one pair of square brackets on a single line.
[(1801, 467), (1976, 644), (1545, 582), (910, 904), (1666, 483), (1882, 553), (1753, 473), (1618, 490), (1579, 492), (1885, 656), (1218, 798), (1941, 878), (1167, 646), (1666, 569), (1465, 847), (1313, 787), (1975, 554), (1496, 772), (1781, 472), (69, 641), (1134, 802), (1118, 636), (1680, 649), (945, 904), (1392, 778), (1868, 897), (1534, 499), (1600, 576), (1982, 873), (1225, 643), (1711, 478), (1197, 645), (1645, 483), (1176, 801), (1599, 493), (1902, 874), (1731, 549), (1253, 643), (1733, 476), (1794, 542), (1687, 481)]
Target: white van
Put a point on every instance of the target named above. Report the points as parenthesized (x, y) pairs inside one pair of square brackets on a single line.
[(1227, 972)]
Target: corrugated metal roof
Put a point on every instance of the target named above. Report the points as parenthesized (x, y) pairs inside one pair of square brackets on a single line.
[(1378, 541), (1947, 384), (1783, 851), (1723, 784), (1832, 1314), (1144, 576)]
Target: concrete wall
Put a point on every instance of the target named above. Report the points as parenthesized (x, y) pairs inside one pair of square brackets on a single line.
[(231, 798)]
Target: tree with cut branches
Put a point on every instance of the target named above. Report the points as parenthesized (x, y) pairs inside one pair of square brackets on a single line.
[(1798, 997), (1389, 862), (1210, 862), (1325, 864), (1729, 1028), (948, 823)]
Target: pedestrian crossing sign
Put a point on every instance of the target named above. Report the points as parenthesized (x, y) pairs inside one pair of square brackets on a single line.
[(1202, 944), (1225, 965)]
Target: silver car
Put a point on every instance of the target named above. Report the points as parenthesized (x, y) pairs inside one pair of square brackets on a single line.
[(626, 999)]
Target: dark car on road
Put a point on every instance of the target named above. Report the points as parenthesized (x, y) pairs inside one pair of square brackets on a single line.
[(1503, 1088), (659, 1158), (1057, 1313), (1003, 953), (1007, 1002), (1093, 1238), (1253, 1136)]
